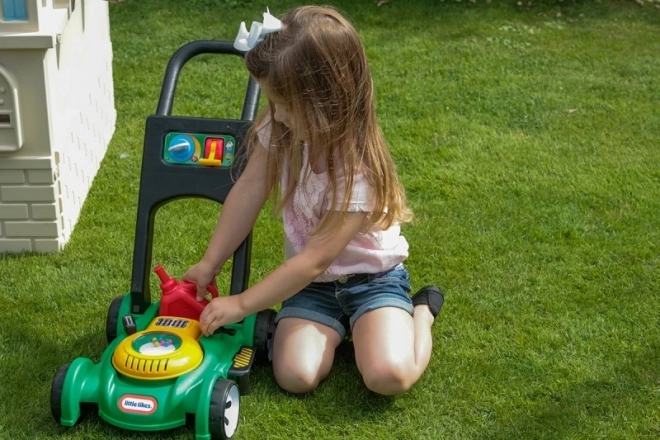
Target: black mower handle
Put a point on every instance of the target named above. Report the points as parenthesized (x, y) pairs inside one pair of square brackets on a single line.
[(161, 182), (183, 55)]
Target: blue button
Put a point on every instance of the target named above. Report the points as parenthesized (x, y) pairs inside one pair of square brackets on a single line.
[(181, 148)]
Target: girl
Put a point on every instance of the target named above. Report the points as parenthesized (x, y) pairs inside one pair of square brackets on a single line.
[(318, 152)]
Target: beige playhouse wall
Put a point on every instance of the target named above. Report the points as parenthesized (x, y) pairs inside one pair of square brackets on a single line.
[(66, 105)]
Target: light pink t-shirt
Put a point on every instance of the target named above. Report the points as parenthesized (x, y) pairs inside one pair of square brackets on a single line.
[(372, 252)]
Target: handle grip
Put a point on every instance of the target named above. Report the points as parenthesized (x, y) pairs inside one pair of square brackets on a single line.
[(183, 55), (212, 288)]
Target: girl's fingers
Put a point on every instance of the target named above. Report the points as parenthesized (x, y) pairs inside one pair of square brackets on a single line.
[(212, 326), (209, 323), (201, 293)]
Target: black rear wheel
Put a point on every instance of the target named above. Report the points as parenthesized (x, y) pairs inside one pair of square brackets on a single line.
[(56, 392), (224, 409), (264, 333), (112, 319), (86, 408)]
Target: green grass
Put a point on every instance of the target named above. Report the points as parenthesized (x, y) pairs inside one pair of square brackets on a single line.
[(528, 141)]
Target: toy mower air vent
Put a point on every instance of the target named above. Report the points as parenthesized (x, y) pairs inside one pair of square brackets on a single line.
[(172, 322), (146, 365)]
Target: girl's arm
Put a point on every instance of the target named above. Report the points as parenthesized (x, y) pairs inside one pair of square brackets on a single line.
[(285, 281), (237, 217)]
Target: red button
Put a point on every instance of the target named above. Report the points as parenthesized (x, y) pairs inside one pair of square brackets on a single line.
[(213, 148)]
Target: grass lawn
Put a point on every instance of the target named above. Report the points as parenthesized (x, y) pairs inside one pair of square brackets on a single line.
[(528, 138)]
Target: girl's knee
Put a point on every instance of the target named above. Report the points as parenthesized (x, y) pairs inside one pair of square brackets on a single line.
[(303, 354), (297, 382), (388, 380)]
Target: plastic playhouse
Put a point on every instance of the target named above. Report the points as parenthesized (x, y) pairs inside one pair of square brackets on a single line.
[(158, 371), (57, 116)]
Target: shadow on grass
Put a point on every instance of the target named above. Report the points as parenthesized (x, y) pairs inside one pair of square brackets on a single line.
[(35, 361), (594, 405), (345, 391), (341, 407)]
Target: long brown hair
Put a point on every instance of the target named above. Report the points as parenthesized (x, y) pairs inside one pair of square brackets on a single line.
[(317, 65)]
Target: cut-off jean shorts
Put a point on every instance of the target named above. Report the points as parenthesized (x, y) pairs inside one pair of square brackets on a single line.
[(339, 304)]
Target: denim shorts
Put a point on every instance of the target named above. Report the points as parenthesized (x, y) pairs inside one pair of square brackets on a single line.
[(339, 304)]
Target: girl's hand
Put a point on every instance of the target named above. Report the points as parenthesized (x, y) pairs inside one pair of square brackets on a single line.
[(202, 274), (221, 311)]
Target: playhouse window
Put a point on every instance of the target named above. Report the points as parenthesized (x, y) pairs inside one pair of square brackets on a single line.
[(14, 10)]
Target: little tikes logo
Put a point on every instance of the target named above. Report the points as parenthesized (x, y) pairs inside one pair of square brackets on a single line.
[(137, 404)]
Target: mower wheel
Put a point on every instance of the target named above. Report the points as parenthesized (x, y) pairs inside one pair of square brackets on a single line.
[(112, 319), (224, 409), (264, 332), (56, 392)]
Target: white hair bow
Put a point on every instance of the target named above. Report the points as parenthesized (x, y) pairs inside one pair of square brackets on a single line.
[(247, 40)]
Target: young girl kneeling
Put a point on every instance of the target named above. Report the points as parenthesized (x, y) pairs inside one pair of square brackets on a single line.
[(318, 152)]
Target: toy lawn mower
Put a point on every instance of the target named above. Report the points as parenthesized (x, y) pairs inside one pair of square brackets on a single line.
[(158, 371)]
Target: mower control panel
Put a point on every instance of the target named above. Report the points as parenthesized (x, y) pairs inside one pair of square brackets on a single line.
[(199, 149)]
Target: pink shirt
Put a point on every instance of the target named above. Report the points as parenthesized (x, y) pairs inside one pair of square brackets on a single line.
[(372, 252)]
